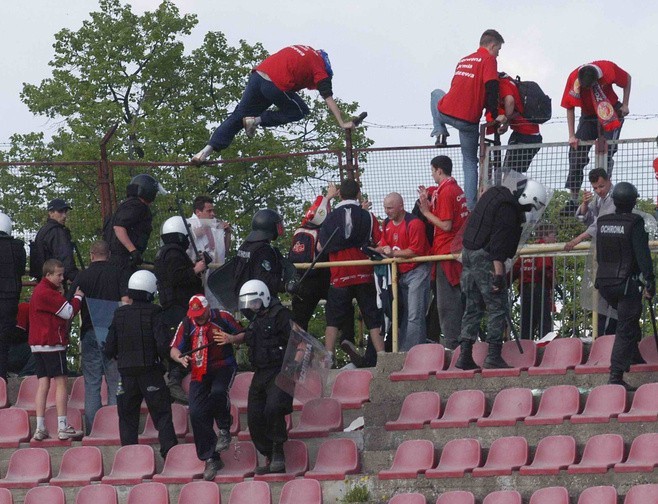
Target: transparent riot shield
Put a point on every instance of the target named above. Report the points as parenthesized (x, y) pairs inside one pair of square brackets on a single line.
[(101, 313)]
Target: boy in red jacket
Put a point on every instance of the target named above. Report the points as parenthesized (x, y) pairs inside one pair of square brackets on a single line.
[(50, 314)]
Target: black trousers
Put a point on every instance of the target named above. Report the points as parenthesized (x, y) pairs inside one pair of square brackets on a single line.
[(535, 311), (8, 311), (209, 404), (267, 407), (627, 300), (150, 386)]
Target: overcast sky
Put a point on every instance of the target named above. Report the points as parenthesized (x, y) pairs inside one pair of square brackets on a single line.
[(386, 54)]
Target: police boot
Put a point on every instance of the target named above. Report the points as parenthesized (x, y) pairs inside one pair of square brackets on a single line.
[(617, 378), (494, 360), (175, 384), (465, 360), (278, 463), (264, 469)]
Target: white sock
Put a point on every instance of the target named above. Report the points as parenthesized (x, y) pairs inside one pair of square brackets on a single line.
[(207, 150), (61, 422), (41, 423)]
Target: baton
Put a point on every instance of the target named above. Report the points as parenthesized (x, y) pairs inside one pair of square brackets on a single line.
[(653, 322), (77, 252), (317, 256), (188, 228), (512, 327), (190, 352)]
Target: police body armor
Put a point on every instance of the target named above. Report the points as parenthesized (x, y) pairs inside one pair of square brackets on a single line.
[(614, 249), (266, 342), (10, 283), (477, 232), (170, 294), (246, 270), (139, 234), (136, 338)]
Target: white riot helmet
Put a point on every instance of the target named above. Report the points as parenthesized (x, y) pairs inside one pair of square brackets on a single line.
[(143, 281), (533, 194), (254, 296), (5, 224), (174, 230)]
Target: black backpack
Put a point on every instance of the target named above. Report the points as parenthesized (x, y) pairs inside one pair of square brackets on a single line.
[(536, 104), (429, 227)]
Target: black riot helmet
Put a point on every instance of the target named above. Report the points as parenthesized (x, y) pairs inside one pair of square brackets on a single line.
[(266, 225), (144, 186), (624, 196)]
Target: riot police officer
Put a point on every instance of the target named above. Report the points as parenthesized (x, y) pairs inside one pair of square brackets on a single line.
[(178, 280), (138, 340), (622, 253), (129, 228), (12, 268), (266, 338)]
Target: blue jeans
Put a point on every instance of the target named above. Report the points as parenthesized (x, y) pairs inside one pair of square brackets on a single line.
[(414, 290), (439, 127), (258, 96), (94, 366)]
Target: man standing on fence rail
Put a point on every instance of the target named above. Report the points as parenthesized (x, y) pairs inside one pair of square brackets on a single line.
[(446, 210), (602, 114), (622, 252), (276, 81)]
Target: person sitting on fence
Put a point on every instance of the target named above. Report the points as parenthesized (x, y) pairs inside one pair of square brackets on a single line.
[(276, 81)]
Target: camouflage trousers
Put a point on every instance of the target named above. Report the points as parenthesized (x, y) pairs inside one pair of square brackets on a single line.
[(476, 283)]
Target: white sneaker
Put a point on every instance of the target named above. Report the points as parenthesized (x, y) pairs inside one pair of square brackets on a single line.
[(202, 155), (250, 126), (69, 433), (40, 435)]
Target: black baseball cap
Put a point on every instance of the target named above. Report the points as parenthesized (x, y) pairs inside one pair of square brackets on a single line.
[(58, 205)]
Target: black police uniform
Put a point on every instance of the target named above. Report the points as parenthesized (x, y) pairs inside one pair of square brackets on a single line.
[(622, 252), (137, 340), (259, 260), (135, 216), (267, 406), (53, 241), (12, 267)]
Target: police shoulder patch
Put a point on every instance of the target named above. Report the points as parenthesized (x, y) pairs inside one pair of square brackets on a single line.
[(266, 265)]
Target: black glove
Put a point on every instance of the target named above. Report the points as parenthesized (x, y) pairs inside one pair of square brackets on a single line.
[(651, 287), (206, 258), (135, 258), (498, 283), (292, 287)]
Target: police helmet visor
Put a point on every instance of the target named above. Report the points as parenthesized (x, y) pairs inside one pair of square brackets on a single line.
[(250, 301)]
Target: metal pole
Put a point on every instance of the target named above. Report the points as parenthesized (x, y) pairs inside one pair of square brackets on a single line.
[(106, 177), (394, 308)]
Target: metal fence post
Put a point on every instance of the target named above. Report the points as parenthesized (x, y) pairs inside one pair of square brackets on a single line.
[(394, 308), (106, 177)]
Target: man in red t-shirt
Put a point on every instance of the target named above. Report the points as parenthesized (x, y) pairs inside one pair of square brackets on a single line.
[(276, 81), (474, 87), (446, 209), (403, 236), (590, 88)]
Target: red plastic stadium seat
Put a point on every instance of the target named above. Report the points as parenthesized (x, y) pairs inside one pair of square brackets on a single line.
[(642, 494), (27, 468), (240, 462), (603, 403), (235, 420), (5, 496), (458, 457), (80, 466), (553, 453), (557, 404), (73, 417), (96, 494), (240, 390), (4, 400), (181, 465), (149, 493), (463, 407), (250, 492), (27, 393), (503, 497), (185, 383), (418, 409), (312, 388), (600, 454), (505, 455), (559, 355), (132, 464), (301, 491), (643, 456), (105, 429), (650, 354), (420, 362), (599, 356), (598, 495), (179, 414), (413, 457), (45, 494), (336, 458), (199, 492), (645, 405), (509, 406), (352, 388), (14, 427), (480, 351), (519, 361), (550, 495), (77, 396), (319, 417), (296, 455), (456, 497), (408, 498)]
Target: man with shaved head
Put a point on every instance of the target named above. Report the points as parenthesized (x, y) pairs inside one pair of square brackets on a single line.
[(403, 236)]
